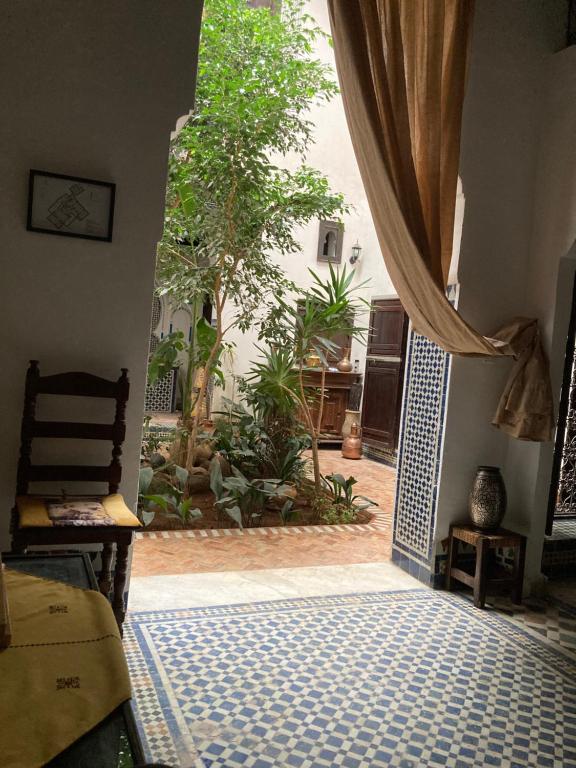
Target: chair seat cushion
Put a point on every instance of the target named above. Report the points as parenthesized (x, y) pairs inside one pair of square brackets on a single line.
[(33, 513)]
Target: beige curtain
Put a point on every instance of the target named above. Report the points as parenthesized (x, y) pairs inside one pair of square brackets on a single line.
[(402, 67)]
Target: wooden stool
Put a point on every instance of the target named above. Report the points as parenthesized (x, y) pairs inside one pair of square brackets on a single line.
[(486, 573)]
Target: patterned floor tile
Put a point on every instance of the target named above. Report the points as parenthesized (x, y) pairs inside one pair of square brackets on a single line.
[(553, 621), (409, 679)]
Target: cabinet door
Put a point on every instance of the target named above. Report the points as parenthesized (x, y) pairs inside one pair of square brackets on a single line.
[(382, 403), (333, 412)]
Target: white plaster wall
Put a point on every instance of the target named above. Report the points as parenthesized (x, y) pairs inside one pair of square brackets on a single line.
[(88, 89), (334, 156), (550, 280), (512, 48)]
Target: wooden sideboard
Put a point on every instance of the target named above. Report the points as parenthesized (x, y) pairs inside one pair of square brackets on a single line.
[(335, 400)]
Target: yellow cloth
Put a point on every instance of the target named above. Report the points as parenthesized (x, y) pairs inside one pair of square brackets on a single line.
[(63, 673), (34, 514)]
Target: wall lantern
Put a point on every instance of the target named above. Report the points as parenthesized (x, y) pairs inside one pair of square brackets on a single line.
[(356, 251)]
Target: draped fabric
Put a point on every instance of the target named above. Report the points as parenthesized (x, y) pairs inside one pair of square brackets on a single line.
[(402, 68)]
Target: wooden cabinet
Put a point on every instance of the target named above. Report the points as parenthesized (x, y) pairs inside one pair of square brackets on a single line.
[(335, 400), (334, 410)]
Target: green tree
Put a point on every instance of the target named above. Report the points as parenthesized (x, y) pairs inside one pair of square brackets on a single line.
[(231, 206)]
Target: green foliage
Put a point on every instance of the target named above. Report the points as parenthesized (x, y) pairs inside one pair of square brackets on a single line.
[(237, 437), (244, 499), (230, 205), (168, 352), (173, 502), (261, 452), (271, 386), (341, 490), (283, 459), (335, 503), (165, 356), (329, 308), (332, 514)]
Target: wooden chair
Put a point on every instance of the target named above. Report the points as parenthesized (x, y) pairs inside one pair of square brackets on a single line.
[(31, 524)]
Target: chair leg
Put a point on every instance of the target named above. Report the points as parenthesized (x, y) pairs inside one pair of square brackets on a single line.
[(105, 580), (120, 583)]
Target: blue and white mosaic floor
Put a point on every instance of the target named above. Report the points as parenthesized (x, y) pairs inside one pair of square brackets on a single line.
[(409, 679)]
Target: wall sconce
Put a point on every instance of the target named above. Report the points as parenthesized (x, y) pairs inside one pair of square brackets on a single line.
[(356, 251)]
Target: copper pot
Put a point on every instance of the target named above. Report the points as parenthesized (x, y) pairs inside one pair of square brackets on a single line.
[(352, 445), (344, 365)]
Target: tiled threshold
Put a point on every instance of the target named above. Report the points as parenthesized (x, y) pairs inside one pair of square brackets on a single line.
[(382, 521)]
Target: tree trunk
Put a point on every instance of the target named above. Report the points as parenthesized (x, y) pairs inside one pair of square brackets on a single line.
[(316, 464), (193, 435)]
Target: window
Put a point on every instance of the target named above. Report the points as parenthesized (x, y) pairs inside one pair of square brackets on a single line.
[(330, 235)]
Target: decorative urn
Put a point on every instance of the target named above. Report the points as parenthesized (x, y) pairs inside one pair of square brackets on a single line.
[(487, 502), (350, 417), (344, 365), (352, 444), (312, 360)]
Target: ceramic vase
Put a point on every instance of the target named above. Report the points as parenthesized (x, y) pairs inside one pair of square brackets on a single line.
[(352, 445), (487, 502), (350, 418)]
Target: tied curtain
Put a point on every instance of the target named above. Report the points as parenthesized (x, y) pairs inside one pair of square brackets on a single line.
[(402, 69)]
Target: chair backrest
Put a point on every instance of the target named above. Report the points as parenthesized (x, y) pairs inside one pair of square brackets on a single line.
[(73, 384)]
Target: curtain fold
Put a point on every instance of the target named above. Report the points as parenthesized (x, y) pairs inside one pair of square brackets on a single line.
[(402, 70)]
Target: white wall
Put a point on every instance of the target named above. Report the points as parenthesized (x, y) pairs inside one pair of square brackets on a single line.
[(509, 123), (334, 156), (549, 284), (94, 90)]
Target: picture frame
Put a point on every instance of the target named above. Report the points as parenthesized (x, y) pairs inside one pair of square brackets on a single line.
[(70, 206)]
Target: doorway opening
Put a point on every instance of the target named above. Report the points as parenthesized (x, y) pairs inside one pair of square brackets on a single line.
[(559, 553)]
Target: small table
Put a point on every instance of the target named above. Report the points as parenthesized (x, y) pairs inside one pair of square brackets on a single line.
[(486, 572), (115, 740)]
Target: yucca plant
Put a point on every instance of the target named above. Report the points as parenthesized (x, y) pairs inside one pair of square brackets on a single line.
[(271, 386), (328, 309)]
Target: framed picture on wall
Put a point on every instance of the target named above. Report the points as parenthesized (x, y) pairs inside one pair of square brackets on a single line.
[(70, 206)]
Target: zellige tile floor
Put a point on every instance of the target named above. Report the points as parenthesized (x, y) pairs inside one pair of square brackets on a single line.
[(210, 691)]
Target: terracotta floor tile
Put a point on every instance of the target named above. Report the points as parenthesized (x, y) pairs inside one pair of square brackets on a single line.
[(153, 557)]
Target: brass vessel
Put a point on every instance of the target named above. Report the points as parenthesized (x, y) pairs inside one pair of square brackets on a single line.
[(352, 444)]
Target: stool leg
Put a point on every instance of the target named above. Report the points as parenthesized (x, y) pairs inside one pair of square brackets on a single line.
[(452, 556), (120, 583), (105, 580), (519, 561), (481, 574)]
